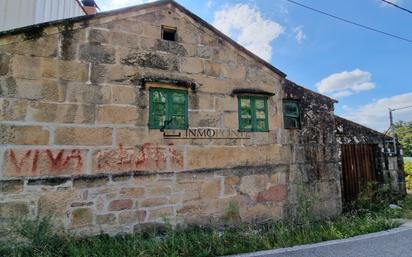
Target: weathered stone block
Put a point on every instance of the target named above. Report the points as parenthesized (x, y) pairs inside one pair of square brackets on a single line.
[(40, 162), (26, 66), (97, 53), (123, 95), (111, 114), (170, 46), (23, 135), (4, 64), (62, 113), (69, 40), (153, 60), (118, 38), (88, 94), (159, 191), (153, 202), (106, 219), (56, 204), (205, 119), (83, 136), (280, 178), (45, 46), (11, 210), (90, 182), (132, 217), (32, 89), (211, 189), (65, 70), (203, 51), (161, 213), (212, 69), (132, 192), (98, 36), (82, 217), (133, 136), (234, 72), (11, 186), (151, 31), (191, 65), (118, 205), (123, 26), (274, 193), (12, 109), (115, 74), (230, 184), (222, 156), (252, 184), (227, 104), (231, 120)]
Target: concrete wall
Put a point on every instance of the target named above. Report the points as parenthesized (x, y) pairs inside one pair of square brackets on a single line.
[(76, 144)]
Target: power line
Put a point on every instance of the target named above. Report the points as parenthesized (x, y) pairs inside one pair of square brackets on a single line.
[(397, 6), (352, 22)]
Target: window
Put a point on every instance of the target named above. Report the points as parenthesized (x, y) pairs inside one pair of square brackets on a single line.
[(168, 33), (291, 114), (253, 113), (168, 108)]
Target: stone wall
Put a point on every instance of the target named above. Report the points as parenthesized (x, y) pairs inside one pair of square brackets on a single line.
[(315, 153), (75, 142)]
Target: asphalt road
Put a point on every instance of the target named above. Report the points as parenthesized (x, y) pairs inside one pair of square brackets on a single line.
[(393, 243)]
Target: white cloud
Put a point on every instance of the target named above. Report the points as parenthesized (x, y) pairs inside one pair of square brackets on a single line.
[(376, 113), (346, 83), (247, 26), (209, 3), (299, 34), (115, 4)]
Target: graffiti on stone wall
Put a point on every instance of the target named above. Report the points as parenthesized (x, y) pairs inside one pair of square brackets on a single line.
[(147, 157), (36, 162)]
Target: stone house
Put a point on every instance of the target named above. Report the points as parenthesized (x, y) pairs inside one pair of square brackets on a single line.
[(125, 119), (368, 155)]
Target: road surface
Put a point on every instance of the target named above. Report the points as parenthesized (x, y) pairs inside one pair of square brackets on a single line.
[(393, 243)]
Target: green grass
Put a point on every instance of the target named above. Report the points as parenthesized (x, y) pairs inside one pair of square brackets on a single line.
[(197, 241)]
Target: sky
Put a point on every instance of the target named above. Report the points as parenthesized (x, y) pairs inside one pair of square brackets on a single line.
[(365, 71)]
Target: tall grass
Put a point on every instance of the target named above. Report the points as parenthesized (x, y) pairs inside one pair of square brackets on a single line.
[(195, 241), (192, 241)]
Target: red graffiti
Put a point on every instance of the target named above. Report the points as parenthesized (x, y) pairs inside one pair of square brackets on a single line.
[(147, 157), (61, 161), (39, 162), (18, 165)]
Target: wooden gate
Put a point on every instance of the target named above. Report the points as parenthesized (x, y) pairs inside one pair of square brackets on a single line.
[(358, 168)]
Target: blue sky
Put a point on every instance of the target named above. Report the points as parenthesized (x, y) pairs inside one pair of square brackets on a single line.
[(365, 71)]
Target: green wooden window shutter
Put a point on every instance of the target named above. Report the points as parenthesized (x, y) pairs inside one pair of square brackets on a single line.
[(253, 113), (168, 108), (291, 114)]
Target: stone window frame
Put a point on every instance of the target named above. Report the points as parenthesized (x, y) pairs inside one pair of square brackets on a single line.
[(168, 124), (297, 118), (253, 111)]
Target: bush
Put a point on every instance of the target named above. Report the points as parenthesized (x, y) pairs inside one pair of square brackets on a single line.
[(408, 175)]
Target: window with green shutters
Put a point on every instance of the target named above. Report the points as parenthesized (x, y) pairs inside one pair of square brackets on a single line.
[(253, 114), (291, 114), (168, 109)]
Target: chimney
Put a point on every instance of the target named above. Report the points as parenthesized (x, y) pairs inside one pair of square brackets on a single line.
[(90, 7)]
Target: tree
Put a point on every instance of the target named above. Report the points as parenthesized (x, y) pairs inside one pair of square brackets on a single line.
[(403, 130)]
